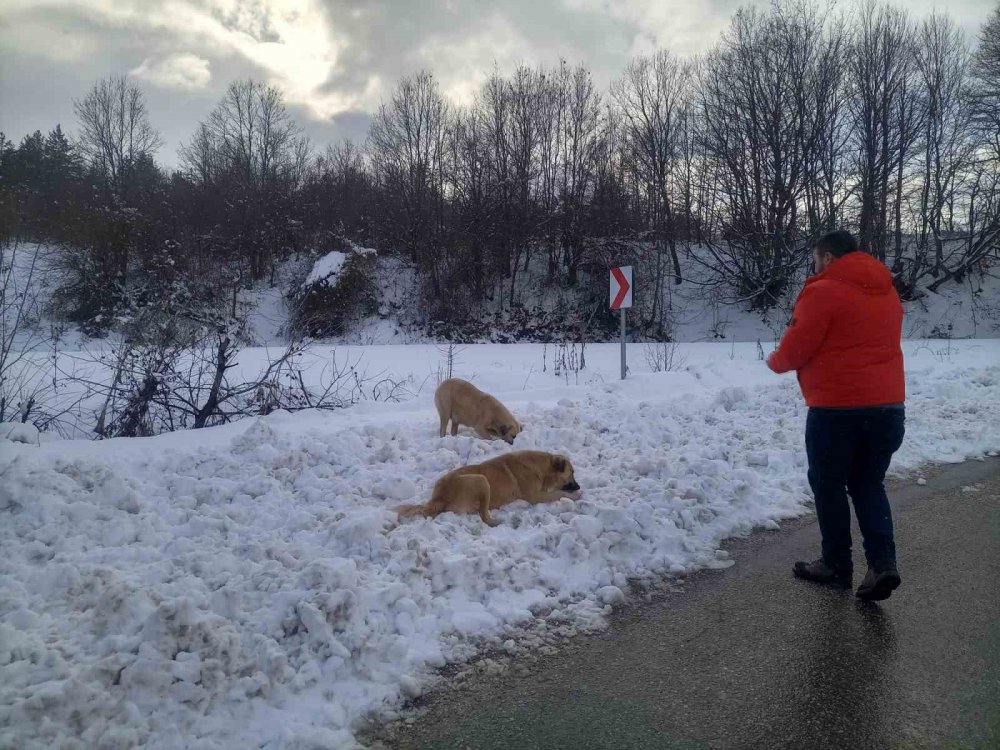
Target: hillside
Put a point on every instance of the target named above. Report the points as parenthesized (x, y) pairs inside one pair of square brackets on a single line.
[(692, 310)]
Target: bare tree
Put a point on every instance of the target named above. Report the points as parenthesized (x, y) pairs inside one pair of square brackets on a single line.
[(981, 183), (651, 98), (827, 169), (886, 118), (22, 342), (494, 102), (942, 60), (202, 157), (580, 142), (115, 132), (339, 186), (985, 89), (520, 117), (762, 131), (524, 92), (252, 149), (473, 196), (407, 147), (252, 133), (692, 186), (551, 115), (118, 141), (609, 212)]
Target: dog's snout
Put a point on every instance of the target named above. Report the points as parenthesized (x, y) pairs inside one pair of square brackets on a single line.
[(571, 486)]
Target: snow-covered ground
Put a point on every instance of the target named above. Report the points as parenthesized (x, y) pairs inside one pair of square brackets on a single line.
[(248, 586)]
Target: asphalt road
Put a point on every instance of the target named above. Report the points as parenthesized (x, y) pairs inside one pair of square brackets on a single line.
[(750, 657)]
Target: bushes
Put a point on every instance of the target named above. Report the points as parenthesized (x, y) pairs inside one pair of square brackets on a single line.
[(86, 297), (327, 303)]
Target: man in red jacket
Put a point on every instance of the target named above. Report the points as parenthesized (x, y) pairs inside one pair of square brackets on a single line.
[(844, 345)]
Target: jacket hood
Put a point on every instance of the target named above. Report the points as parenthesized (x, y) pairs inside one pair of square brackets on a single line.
[(860, 270)]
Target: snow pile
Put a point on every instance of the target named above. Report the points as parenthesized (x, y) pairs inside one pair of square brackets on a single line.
[(329, 267), (326, 269), (19, 432), (248, 586)]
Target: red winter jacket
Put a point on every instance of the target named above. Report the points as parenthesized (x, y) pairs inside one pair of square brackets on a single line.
[(844, 338)]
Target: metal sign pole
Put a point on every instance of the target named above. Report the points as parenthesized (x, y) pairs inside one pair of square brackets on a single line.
[(623, 342), (620, 289)]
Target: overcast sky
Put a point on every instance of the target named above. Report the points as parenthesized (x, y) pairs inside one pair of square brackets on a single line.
[(333, 59)]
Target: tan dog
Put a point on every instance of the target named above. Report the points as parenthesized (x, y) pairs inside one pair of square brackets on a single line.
[(535, 476), (462, 403)]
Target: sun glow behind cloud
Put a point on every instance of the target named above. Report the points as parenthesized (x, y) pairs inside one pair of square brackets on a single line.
[(289, 41), (334, 60), (184, 71)]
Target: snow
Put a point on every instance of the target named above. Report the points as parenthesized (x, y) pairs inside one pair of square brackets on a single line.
[(36, 271), (248, 585), (694, 312), (19, 432), (327, 268), (269, 315)]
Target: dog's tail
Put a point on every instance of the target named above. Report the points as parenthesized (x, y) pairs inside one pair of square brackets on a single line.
[(411, 509)]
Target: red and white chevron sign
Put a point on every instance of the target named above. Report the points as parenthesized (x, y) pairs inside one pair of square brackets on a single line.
[(621, 287)]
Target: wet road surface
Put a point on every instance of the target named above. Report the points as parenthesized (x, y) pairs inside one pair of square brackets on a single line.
[(750, 657)]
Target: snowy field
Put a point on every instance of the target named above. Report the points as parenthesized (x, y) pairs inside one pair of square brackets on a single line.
[(247, 585)]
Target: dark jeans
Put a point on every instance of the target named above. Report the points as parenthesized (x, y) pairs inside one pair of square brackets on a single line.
[(849, 451)]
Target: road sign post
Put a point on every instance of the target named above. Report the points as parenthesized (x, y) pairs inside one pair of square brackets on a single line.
[(621, 299), (623, 342)]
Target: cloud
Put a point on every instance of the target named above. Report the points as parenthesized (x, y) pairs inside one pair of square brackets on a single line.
[(462, 42), (286, 42), (185, 72), (334, 60), (683, 27)]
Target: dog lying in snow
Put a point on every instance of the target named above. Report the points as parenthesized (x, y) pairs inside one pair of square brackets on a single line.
[(535, 476), (462, 403)]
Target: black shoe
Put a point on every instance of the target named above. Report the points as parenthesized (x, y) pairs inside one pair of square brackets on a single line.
[(878, 585), (819, 572)]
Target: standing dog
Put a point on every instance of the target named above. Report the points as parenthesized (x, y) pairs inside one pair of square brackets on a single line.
[(535, 476), (462, 403)]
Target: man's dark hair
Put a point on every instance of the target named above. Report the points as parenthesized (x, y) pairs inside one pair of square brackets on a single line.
[(837, 243)]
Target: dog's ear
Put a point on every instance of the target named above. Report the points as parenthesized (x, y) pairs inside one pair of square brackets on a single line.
[(559, 464)]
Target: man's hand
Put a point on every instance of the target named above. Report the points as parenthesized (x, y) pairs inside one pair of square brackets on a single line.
[(807, 330)]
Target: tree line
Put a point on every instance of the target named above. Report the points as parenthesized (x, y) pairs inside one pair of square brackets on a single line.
[(799, 120)]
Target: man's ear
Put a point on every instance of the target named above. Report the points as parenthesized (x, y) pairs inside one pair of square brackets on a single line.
[(559, 464)]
